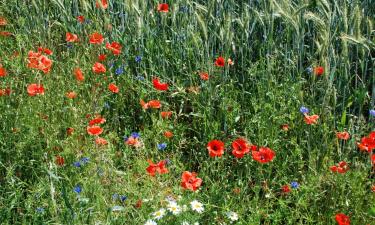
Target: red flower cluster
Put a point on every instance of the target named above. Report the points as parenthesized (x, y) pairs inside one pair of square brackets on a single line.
[(190, 181), (99, 68), (159, 168), (367, 143), (343, 135), (163, 7), (240, 147), (96, 38), (115, 47), (263, 155), (341, 167), (159, 86), (319, 70), (154, 104), (71, 37), (35, 89), (36, 60), (215, 148), (342, 219)]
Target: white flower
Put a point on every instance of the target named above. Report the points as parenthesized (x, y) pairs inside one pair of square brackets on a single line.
[(197, 206), (159, 214), (174, 208), (196, 223), (150, 222), (232, 216), (184, 223)]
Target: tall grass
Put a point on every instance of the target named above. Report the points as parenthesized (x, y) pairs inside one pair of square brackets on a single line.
[(273, 45)]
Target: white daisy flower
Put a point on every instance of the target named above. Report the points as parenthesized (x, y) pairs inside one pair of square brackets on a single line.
[(196, 223), (184, 223), (150, 222), (197, 206), (232, 216), (174, 208), (159, 214)]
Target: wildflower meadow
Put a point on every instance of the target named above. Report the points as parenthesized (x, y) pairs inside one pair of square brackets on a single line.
[(187, 112)]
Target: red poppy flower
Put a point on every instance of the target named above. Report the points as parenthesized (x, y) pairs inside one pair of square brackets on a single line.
[(367, 143), (190, 181), (343, 135), (71, 95), (167, 114), (59, 160), (94, 130), (101, 4), (155, 104), (4, 92), (3, 72), (285, 127), (98, 68), (38, 61), (69, 131), (285, 189), (102, 57), (311, 119), (3, 21), (163, 7), (71, 37), (204, 76), (159, 86), (45, 50), (5, 33), (342, 219), (263, 155), (81, 19), (98, 120), (159, 168), (240, 147), (101, 141), (96, 38), (168, 134), (220, 62), (318, 70), (341, 167), (78, 74), (113, 88), (115, 47), (215, 148), (35, 89)]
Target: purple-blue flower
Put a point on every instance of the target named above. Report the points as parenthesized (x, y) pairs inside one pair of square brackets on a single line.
[(294, 184), (304, 110), (372, 112), (162, 146), (138, 59), (77, 164), (77, 189), (135, 135)]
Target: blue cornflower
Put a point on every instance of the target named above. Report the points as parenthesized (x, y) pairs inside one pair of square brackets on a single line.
[(294, 184), (304, 110), (138, 58), (123, 198), (40, 209), (372, 112), (135, 135), (77, 164), (119, 71), (162, 146), (77, 189)]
